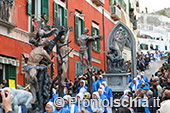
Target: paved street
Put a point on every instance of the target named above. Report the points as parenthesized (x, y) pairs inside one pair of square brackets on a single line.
[(154, 66)]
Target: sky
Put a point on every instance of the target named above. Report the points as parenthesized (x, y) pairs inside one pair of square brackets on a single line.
[(153, 5)]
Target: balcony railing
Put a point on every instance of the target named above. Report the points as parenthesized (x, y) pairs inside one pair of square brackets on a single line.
[(8, 14), (123, 4), (98, 2), (115, 12)]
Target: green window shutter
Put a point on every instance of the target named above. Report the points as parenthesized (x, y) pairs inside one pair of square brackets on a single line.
[(141, 46), (146, 47), (45, 8), (81, 69), (65, 17), (156, 46), (82, 26), (29, 7), (93, 33), (77, 68), (76, 28), (111, 2), (166, 48), (55, 12), (98, 42)]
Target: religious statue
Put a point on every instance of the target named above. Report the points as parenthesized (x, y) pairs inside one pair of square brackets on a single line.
[(38, 64), (34, 59), (63, 51), (83, 51), (115, 64)]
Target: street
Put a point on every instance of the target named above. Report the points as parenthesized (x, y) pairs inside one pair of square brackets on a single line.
[(154, 66)]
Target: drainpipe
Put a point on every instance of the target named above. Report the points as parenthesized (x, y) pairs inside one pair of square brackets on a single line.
[(104, 39), (68, 44)]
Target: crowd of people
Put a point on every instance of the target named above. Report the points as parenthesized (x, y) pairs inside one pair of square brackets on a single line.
[(79, 89), (140, 88)]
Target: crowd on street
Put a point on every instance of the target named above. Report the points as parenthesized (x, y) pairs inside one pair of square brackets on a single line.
[(140, 88)]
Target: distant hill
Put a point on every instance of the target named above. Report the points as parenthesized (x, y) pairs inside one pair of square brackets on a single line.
[(164, 12)]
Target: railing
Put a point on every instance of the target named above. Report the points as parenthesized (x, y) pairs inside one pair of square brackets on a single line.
[(115, 12), (8, 15), (98, 2), (5, 10), (123, 4)]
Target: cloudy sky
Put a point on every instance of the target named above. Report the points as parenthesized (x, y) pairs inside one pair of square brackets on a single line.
[(153, 5)]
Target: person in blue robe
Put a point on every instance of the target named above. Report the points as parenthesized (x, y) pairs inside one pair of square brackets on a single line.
[(103, 97), (107, 89), (99, 81), (50, 108), (143, 77), (72, 108), (133, 85), (94, 84), (82, 87)]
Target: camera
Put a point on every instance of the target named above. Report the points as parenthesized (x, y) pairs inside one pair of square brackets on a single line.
[(6, 94)]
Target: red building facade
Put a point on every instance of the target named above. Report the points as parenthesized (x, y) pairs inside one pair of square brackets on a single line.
[(15, 33)]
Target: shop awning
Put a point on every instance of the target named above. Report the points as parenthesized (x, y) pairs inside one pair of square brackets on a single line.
[(5, 60)]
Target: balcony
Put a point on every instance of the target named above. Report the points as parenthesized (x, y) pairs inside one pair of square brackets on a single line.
[(98, 2), (122, 4), (6, 17), (115, 12)]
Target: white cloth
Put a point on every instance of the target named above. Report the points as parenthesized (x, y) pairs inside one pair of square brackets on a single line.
[(165, 105), (67, 97), (81, 95), (101, 76), (52, 105), (94, 107), (104, 82)]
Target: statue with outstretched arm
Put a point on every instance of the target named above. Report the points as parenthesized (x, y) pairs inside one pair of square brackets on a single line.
[(63, 50), (82, 42)]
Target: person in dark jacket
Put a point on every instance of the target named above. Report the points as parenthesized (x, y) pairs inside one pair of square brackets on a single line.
[(152, 107)]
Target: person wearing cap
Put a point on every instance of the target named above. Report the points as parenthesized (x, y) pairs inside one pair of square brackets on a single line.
[(99, 81), (50, 108), (72, 108), (96, 109), (102, 97), (107, 89), (143, 77), (82, 87), (94, 84)]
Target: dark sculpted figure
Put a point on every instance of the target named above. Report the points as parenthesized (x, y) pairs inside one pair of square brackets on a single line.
[(114, 61), (82, 42), (38, 64)]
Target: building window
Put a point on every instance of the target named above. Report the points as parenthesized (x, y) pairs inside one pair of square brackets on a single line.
[(79, 27), (157, 46), (96, 44), (79, 68), (166, 48), (143, 47), (60, 15), (45, 7)]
